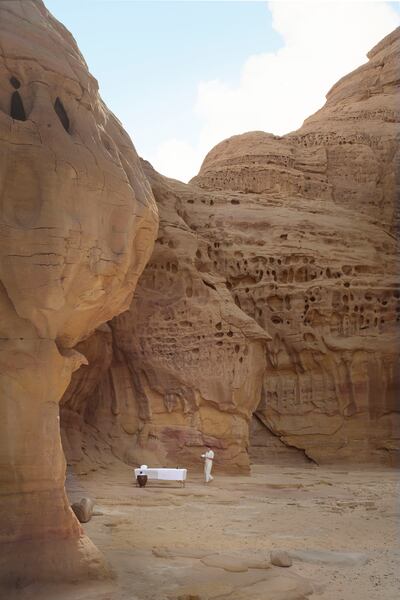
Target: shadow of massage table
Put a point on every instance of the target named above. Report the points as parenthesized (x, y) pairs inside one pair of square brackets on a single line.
[(163, 474)]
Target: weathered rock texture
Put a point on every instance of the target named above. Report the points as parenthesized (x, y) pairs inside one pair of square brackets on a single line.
[(77, 225), (83, 509), (186, 363), (273, 288), (266, 447), (326, 278)]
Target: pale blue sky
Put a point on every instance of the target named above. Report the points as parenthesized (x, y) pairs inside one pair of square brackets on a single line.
[(183, 75), (149, 56)]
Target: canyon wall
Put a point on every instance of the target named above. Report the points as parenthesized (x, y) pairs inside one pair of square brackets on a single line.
[(273, 289), (77, 225), (186, 363), (326, 282)]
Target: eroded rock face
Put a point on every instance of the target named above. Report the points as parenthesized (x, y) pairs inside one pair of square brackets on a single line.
[(187, 363), (265, 447), (347, 152), (325, 280), (77, 225), (289, 238)]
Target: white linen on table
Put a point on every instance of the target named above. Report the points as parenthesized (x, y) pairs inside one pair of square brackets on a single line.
[(163, 474)]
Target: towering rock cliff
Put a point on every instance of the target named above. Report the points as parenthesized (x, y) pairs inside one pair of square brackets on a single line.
[(186, 363), (273, 288), (329, 289), (77, 225)]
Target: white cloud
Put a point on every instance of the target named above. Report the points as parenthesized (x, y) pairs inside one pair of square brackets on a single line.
[(322, 42), (175, 158)]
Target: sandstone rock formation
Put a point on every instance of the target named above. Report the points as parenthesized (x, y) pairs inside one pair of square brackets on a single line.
[(83, 509), (280, 558), (187, 363), (77, 225), (273, 287), (326, 279), (266, 447)]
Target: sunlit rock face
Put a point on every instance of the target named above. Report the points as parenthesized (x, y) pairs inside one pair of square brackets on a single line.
[(77, 225), (187, 364), (273, 287), (325, 280), (347, 152)]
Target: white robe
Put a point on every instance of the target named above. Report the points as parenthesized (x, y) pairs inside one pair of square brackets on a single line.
[(208, 462)]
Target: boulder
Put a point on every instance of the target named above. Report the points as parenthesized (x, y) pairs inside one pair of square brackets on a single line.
[(83, 509), (280, 558)]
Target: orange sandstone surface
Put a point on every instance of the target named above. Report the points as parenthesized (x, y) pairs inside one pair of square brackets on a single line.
[(77, 226)]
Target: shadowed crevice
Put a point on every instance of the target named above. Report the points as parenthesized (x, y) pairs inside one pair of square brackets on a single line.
[(62, 114), (17, 110)]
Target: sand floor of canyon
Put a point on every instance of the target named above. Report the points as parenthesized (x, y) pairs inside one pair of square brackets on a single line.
[(201, 542)]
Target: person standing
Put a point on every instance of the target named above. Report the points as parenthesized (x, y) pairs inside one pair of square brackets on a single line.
[(208, 463)]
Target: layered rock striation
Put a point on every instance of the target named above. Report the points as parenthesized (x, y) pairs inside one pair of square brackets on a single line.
[(326, 279), (273, 289), (187, 363), (77, 225), (346, 153)]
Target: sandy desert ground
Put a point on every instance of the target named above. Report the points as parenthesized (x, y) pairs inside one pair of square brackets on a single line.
[(203, 542)]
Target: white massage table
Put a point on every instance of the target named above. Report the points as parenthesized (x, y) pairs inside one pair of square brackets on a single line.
[(163, 474)]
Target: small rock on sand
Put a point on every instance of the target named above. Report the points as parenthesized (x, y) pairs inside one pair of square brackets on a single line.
[(83, 509), (280, 558)]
